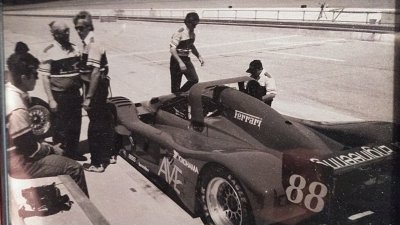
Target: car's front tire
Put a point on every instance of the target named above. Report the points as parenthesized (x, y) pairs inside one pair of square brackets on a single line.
[(222, 199)]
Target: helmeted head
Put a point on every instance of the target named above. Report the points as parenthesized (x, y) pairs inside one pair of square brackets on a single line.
[(23, 68), (60, 31), (254, 66), (191, 20), (83, 23)]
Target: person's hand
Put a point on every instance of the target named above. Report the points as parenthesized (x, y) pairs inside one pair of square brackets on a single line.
[(58, 150), (201, 61), (182, 66), (53, 105), (86, 104)]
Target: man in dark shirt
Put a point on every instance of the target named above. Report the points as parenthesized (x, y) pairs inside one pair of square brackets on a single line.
[(182, 43)]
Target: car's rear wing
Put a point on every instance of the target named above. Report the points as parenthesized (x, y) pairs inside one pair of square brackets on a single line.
[(357, 157)]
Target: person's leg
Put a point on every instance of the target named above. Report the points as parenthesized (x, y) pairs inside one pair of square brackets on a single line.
[(59, 119), (54, 165), (70, 109), (190, 75), (176, 75), (101, 129)]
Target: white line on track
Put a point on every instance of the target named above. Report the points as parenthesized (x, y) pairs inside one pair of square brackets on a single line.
[(271, 50), (274, 50), (205, 46)]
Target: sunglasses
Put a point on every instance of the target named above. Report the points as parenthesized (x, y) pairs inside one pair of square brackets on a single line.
[(61, 32), (80, 28)]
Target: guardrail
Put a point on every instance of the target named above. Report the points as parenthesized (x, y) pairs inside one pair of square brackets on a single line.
[(365, 20)]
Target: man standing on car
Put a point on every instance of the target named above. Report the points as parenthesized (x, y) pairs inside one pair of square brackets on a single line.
[(182, 43), (28, 158), (93, 72), (61, 82), (266, 81)]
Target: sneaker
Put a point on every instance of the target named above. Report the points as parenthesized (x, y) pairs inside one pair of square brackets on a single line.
[(113, 159), (93, 168)]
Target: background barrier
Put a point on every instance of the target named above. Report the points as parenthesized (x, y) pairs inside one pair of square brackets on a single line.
[(365, 20)]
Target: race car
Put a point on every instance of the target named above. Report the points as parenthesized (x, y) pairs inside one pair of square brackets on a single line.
[(231, 159)]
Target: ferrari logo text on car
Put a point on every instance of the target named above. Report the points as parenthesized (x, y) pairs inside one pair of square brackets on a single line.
[(171, 175), (185, 162), (367, 154), (247, 118)]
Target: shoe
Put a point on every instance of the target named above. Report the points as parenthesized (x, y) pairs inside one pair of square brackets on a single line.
[(113, 159), (76, 157), (93, 168)]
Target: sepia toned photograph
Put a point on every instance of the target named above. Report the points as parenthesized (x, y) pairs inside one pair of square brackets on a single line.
[(191, 112)]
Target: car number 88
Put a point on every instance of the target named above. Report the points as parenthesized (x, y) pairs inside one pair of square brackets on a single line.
[(316, 190)]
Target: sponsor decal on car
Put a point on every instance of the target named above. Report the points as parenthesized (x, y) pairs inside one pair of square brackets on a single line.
[(247, 118), (354, 158), (185, 162), (131, 157), (143, 167), (171, 173)]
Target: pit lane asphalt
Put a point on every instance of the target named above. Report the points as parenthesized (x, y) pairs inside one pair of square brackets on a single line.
[(331, 76)]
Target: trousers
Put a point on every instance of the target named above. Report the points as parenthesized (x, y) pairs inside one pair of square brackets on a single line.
[(48, 166), (67, 120), (101, 125), (176, 75)]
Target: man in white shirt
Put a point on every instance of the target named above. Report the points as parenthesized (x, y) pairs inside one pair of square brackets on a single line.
[(266, 81), (28, 158), (181, 45)]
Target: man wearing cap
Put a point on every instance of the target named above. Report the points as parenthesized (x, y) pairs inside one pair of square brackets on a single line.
[(61, 82), (182, 43), (93, 72), (266, 81)]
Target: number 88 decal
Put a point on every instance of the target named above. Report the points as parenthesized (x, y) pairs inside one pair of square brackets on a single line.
[(295, 193)]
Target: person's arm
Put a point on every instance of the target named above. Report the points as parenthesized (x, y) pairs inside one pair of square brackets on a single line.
[(94, 81), (23, 138), (270, 86), (174, 53), (197, 54), (44, 71)]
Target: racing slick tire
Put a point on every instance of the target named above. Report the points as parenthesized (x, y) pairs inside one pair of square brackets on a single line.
[(41, 117), (222, 199)]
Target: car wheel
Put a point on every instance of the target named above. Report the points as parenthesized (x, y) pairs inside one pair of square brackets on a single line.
[(223, 200), (41, 118)]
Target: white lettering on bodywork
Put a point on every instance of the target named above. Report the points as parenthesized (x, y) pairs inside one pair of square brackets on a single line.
[(170, 176), (354, 158), (247, 118), (185, 162)]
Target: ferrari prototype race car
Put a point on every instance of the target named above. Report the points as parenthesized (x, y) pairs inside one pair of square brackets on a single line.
[(232, 159)]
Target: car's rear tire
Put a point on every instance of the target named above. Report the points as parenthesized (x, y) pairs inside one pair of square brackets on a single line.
[(222, 199)]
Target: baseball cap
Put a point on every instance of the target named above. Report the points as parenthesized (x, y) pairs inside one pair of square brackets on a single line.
[(254, 65), (58, 26)]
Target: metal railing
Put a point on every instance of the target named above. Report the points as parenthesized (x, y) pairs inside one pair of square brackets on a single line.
[(367, 19)]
